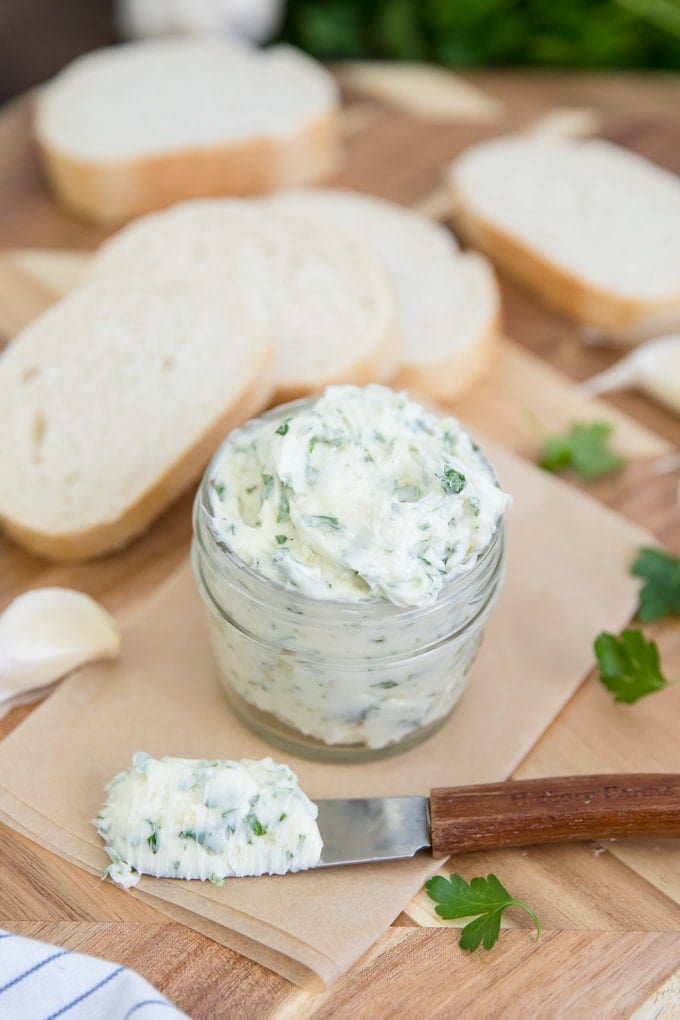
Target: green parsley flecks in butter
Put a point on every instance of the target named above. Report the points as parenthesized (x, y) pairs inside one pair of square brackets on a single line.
[(361, 495), (207, 819)]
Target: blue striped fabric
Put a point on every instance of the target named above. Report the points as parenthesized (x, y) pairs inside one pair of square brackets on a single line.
[(42, 982)]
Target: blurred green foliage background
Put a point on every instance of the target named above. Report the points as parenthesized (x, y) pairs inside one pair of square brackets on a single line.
[(472, 33)]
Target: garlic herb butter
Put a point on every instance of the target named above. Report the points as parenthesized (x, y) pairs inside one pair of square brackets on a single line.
[(207, 819), (348, 550), (360, 495)]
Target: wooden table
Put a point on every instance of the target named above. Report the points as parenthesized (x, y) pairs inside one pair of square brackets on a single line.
[(611, 944)]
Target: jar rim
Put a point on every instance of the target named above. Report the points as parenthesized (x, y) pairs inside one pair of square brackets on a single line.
[(266, 591)]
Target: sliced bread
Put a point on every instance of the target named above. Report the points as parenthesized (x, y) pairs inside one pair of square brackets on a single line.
[(448, 301), (139, 126), (591, 227), (112, 401), (328, 301)]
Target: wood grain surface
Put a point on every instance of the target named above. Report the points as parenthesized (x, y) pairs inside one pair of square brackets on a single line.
[(610, 912)]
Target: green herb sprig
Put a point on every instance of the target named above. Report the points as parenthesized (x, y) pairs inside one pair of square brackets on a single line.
[(484, 899), (571, 33), (660, 594), (584, 449), (629, 665), (453, 481)]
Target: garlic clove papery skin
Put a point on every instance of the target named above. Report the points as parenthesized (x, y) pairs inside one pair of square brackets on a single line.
[(48, 632)]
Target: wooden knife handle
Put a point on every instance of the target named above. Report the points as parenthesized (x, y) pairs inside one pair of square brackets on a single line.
[(529, 811)]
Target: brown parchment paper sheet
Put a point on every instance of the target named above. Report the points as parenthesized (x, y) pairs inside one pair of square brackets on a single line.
[(567, 579)]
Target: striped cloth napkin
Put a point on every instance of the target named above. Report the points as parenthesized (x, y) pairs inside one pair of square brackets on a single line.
[(42, 982)]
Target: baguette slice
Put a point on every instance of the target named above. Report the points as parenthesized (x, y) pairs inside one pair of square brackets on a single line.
[(113, 400), (448, 302), (328, 301), (139, 126), (592, 228)]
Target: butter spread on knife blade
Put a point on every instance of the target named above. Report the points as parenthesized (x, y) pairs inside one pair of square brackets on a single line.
[(188, 818), (208, 819)]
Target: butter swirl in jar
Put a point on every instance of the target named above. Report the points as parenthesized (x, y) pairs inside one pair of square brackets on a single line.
[(349, 550)]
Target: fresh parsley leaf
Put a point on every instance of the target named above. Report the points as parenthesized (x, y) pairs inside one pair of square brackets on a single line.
[(485, 899), (320, 520), (284, 507), (583, 449), (453, 481), (256, 826), (280, 539), (629, 665), (283, 428), (152, 840), (211, 842), (660, 594)]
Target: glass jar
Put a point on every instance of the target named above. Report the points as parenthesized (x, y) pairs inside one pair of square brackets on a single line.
[(338, 680)]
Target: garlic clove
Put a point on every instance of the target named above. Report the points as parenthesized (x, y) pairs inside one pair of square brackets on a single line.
[(48, 632), (653, 368), (658, 371), (12, 699)]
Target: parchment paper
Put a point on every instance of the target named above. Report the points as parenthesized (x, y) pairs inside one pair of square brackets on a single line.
[(567, 580)]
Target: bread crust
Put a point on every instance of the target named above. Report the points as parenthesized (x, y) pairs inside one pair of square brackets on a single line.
[(377, 366), (560, 288), (112, 192), (111, 535), (448, 379)]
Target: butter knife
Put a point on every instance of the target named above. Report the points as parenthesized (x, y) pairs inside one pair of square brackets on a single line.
[(512, 813)]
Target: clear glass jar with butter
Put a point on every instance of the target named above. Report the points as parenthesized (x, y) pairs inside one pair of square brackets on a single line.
[(347, 635)]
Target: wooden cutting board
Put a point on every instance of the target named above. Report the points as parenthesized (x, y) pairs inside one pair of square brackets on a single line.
[(611, 945)]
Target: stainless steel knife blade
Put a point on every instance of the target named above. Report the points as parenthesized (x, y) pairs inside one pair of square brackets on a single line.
[(372, 829), (511, 813)]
